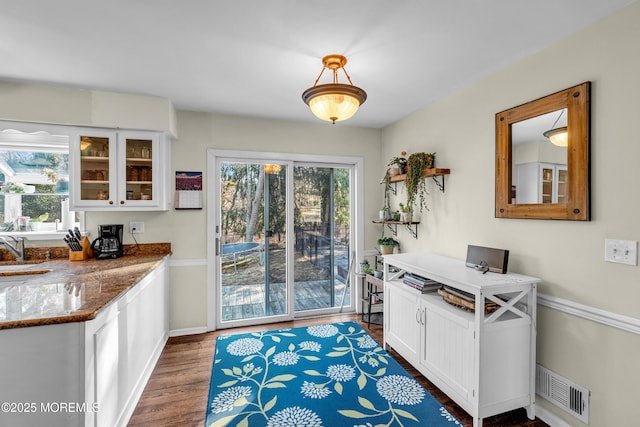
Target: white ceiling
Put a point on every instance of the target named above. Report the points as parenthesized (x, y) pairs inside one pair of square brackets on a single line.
[(256, 57)]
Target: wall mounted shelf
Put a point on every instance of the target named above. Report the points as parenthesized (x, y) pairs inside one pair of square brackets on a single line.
[(393, 226), (437, 174)]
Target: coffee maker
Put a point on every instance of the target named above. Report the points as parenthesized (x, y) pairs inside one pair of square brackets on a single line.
[(109, 242)]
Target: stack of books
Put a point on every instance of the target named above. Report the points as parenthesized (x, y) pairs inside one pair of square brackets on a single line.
[(422, 284)]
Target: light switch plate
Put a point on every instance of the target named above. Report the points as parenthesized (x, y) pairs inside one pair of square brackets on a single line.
[(621, 251)]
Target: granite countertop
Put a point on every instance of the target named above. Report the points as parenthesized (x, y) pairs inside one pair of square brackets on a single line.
[(71, 291)]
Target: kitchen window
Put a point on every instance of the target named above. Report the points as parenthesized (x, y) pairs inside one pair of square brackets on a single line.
[(34, 181)]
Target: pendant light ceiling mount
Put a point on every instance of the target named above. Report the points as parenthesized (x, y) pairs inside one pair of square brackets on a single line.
[(334, 101)]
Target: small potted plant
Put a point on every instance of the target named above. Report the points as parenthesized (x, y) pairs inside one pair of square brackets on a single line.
[(387, 244), (12, 187), (397, 165), (405, 213), (35, 224)]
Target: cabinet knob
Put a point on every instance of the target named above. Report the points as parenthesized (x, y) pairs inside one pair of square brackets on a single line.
[(110, 202), (122, 202)]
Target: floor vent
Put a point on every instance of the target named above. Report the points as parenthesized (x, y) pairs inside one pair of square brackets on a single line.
[(563, 393)]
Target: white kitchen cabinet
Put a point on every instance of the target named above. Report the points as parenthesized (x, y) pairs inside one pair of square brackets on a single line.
[(541, 183), (106, 369), (86, 374), (123, 344), (484, 362), (403, 327), (121, 170), (454, 364)]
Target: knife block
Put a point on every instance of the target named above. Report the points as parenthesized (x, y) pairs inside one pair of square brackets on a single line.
[(84, 254)]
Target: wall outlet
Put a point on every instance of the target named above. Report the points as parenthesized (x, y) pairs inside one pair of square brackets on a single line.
[(621, 251), (136, 227)]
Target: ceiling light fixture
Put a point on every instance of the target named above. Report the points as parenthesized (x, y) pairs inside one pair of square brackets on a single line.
[(558, 136), (335, 101)]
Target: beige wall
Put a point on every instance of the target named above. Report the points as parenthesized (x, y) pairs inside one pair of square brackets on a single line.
[(202, 131), (568, 256)]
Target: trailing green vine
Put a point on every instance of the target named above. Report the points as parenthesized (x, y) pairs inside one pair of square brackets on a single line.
[(415, 182)]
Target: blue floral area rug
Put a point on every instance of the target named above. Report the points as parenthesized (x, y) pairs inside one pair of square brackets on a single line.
[(329, 375)]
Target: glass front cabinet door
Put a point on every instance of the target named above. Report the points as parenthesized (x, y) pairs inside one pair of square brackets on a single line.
[(117, 170)]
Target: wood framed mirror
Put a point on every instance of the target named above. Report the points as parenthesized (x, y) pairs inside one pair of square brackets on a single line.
[(535, 178)]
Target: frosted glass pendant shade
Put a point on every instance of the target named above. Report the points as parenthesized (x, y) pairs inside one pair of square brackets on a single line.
[(335, 101), (558, 136)]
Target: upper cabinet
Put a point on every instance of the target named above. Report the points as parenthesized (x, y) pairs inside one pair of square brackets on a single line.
[(122, 170)]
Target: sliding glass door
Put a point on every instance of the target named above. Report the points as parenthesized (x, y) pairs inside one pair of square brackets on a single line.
[(251, 241), (322, 237), (283, 233)]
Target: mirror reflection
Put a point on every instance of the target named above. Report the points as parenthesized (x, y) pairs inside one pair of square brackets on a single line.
[(542, 157), (539, 160)]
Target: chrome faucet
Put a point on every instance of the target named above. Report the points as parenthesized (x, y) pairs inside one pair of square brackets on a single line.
[(18, 249)]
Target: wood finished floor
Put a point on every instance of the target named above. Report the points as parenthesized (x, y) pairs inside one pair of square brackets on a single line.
[(177, 392)]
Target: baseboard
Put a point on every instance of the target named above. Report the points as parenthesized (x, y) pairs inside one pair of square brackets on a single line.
[(549, 417), (188, 331)]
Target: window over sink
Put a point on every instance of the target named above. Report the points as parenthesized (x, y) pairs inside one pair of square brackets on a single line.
[(34, 180)]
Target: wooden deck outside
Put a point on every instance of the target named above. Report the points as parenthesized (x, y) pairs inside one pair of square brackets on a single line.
[(248, 300)]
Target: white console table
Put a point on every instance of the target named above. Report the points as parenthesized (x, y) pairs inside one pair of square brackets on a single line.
[(484, 362)]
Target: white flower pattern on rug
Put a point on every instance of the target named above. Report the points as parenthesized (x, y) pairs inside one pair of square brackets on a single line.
[(286, 358), (341, 373), (314, 391), (245, 346), (310, 345), (284, 378), (322, 331), (367, 342), (225, 401), (295, 417), (447, 415), (400, 389)]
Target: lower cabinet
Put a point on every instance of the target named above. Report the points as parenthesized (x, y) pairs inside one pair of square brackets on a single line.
[(402, 321), (107, 369), (429, 339), (123, 344), (86, 374), (454, 361), (485, 362)]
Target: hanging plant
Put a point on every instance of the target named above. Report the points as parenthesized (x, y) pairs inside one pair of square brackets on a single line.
[(416, 184)]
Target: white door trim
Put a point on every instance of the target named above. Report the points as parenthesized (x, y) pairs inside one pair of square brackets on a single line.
[(213, 209)]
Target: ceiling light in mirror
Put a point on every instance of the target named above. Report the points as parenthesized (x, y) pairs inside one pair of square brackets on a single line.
[(558, 135)]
